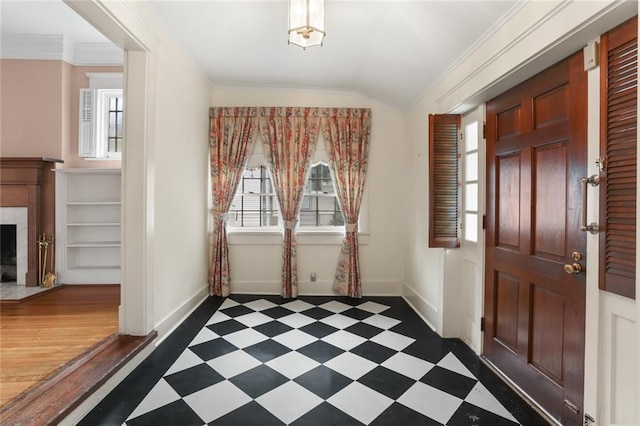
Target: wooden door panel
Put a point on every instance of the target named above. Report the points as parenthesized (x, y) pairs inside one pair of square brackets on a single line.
[(508, 220), (534, 311), (550, 199), (547, 332), (506, 323), (550, 107)]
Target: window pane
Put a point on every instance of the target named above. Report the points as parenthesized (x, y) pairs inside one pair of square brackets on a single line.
[(471, 137), (471, 167), (471, 227), (471, 197)]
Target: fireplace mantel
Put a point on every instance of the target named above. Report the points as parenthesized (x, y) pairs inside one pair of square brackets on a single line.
[(30, 182)]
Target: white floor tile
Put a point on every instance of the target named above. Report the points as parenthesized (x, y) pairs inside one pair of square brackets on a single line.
[(187, 359), (260, 305), (335, 306), (407, 365), (297, 306), (295, 339), (373, 307), (233, 363), (381, 321), (360, 402), (344, 340), (218, 317), (289, 401), (245, 338), (296, 320), (481, 397), (216, 401), (292, 364), (392, 340), (228, 303), (339, 321), (253, 319), (203, 336), (351, 365), (161, 394), (451, 362), (431, 402)]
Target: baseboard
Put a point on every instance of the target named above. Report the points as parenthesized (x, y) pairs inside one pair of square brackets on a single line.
[(316, 288), (423, 308), (169, 323)]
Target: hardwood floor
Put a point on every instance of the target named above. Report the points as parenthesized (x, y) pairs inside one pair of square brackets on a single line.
[(41, 336)]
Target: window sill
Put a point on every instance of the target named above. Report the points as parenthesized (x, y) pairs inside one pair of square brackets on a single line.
[(304, 237)]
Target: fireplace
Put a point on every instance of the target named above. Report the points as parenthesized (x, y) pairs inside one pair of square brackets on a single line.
[(27, 202), (13, 244)]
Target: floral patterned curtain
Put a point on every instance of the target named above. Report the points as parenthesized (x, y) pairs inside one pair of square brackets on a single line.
[(289, 137), (346, 134), (231, 140)]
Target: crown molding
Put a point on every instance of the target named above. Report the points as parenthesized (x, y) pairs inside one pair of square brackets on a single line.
[(56, 47), (32, 46)]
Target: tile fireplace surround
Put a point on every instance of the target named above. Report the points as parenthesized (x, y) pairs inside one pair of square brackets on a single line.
[(27, 199)]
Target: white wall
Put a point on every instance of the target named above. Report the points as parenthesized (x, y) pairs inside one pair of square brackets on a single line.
[(180, 150), (537, 35), (257, 268)]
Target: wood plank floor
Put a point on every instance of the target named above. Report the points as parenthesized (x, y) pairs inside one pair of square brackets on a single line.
[(40, 336)]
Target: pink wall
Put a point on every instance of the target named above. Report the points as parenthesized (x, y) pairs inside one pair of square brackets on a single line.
[(31, 116), (39, 101)]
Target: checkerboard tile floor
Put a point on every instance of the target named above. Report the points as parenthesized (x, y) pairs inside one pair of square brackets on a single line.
[(262, 360)]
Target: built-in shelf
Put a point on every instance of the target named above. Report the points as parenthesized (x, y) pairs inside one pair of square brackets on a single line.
[(88, 218)]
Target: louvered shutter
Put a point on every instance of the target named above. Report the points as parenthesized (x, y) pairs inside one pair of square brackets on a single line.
[(444, 183), (618, 144), (86, 142)]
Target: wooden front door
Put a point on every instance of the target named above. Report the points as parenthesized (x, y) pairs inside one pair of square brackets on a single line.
[(534, 309)]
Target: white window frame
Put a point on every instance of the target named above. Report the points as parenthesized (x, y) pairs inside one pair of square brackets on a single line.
[(93, 120), (307, 235)]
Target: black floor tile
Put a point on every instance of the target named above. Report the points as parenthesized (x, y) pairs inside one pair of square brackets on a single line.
[(266, 350), (318, 329), (469, 414), (356, 313), (326, 414), (226, 327), (249, 414), (177, 413), (258, 381), (364, 330), (193, 379), (320, 351), (272, 328), (212, 349), (236, 311), (318, 313), (373, 352), (323, 381), (387, 382), (398, 414), (449, 381)]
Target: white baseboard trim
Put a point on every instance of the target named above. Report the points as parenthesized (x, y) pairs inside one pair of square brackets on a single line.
[(96, 397), (168, 324), (423, 308), (316, 288)]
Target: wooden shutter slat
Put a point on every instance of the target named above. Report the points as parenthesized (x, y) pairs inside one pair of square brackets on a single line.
[(618, 143), (444, 197)]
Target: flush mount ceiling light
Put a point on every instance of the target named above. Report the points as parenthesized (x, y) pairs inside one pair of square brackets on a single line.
[(306, 22)]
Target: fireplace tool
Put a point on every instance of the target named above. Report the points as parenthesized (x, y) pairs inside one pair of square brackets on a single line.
[(47, 279)]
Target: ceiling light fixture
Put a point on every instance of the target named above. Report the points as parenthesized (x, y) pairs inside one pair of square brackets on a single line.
[(306, 22)]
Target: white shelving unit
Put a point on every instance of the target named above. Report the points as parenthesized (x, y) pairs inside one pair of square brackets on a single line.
[(88, 226)]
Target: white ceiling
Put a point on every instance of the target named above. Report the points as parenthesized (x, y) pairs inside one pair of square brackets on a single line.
[(391, 51)]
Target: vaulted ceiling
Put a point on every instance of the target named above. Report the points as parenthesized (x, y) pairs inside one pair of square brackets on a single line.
[(391, 51)]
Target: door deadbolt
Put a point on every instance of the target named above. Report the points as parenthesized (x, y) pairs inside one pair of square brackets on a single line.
[(576, 256)]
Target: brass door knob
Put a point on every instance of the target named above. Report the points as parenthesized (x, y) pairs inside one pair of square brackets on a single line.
[(572, 268)]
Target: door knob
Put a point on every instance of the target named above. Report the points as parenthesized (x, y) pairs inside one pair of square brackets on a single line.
[(572, 268)]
